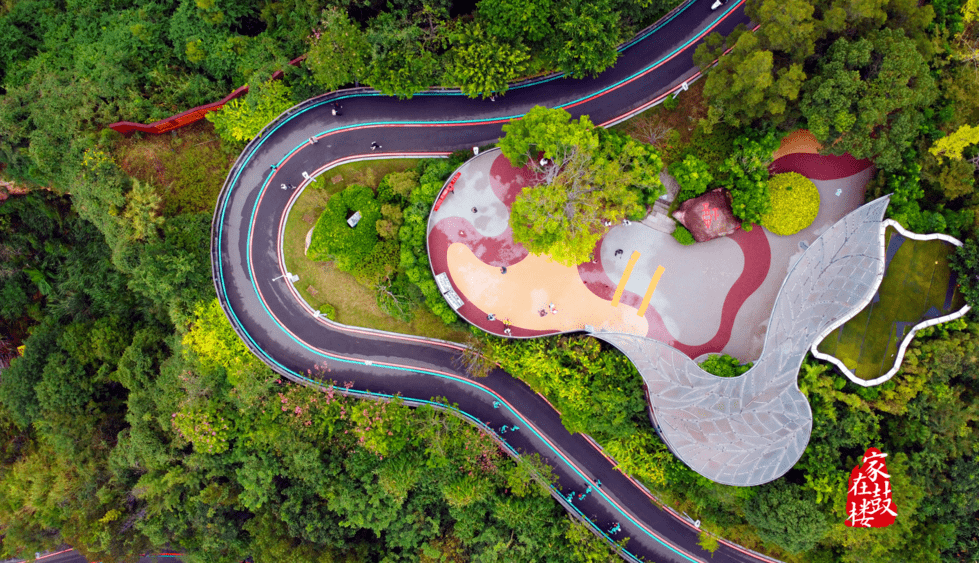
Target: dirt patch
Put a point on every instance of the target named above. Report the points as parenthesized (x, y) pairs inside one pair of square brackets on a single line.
[(187, 166), (800, 141), (8, 189), (668, 129)]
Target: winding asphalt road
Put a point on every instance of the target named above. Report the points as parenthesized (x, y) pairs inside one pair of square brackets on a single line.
[(71, 556), (280, 328)]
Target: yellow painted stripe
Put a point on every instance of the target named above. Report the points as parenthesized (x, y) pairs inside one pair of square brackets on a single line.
[(650, 290), (625, 278)]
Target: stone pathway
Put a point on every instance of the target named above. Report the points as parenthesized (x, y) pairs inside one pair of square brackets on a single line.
[(659, 218)]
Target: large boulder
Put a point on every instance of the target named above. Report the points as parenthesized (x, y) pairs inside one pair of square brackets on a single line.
[(708, 216)]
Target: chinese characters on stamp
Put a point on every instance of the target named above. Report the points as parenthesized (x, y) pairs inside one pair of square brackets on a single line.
[(868, 497)]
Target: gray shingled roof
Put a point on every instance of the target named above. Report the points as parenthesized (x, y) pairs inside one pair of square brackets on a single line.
[(753, 428)]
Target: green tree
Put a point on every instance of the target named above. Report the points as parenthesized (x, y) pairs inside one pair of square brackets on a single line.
[(334, 239), (641, 455), (786, 515), (240, 120), (589, 548), (745, 175), (555, 221), (589, 35), (965, 263), (549, 132), (580, 379), (396, 188), (898, 540), (43, 119), (746, 85), (413, 235), (172, 270), (587, 178), (143, 210), (786, 26), (404, 60), (954, 177), (693, 175), (271, 541), (482, 65), (473, 359), (391, 219), (340, 51), (867, 97), (515, 21), (17, 392), (204, 427), (708, 542)]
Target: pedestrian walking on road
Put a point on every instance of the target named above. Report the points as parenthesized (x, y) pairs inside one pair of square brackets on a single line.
[(375, 146)]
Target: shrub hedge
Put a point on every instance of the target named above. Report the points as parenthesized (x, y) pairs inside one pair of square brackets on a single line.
[(683, 236), (333, 239), (414, 251), (795, 203), (693, 175), (724, 365)]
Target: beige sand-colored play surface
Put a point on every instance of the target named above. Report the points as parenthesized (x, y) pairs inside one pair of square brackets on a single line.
[(530, 287)]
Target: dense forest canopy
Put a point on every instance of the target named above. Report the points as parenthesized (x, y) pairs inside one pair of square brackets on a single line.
[(136, 418)]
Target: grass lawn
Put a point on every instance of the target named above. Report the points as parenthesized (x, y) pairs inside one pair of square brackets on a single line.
[(913, 289), (320, 283)]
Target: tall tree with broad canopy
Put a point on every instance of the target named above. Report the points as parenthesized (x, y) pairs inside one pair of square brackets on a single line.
[(584, 177), (761, 78), (787, 515), (590, 32), (788, 25), (546, 131), (404, 60), (340, 51), (746, 85), (516, 20), (481, 64), (965, 263), (868, 96)]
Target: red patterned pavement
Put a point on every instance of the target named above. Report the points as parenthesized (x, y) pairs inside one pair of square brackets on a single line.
[(501, 250)]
